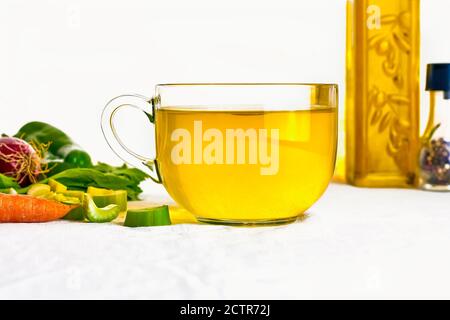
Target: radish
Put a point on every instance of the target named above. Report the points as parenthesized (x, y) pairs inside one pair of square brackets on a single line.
[(20, 160)]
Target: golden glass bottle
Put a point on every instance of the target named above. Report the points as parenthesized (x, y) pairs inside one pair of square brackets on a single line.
[(382, 102)]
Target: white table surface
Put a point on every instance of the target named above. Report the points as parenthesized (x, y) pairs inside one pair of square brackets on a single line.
[(355, 243)]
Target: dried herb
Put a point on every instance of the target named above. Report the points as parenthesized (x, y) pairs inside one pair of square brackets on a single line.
[(435, 162)]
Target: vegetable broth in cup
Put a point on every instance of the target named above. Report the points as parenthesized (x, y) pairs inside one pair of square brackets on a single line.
[(239, 154)]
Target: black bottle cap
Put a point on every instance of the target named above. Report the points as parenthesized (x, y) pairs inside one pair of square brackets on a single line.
[(438, 78)]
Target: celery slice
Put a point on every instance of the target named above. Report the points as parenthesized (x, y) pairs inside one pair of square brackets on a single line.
[(74, 194), (118, 197), (100, 215), (148, 217)]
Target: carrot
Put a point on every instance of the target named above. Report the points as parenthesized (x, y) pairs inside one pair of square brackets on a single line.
[(21, 208)]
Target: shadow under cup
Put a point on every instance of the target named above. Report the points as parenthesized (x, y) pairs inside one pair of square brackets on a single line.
[(238, 154)]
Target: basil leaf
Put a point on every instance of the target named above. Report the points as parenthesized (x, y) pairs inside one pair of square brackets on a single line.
[(82, 178), (133, 174)]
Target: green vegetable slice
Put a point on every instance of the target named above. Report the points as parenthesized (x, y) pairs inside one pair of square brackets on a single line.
[(76, 214), (56, 186), (9, 191), (95, 214), (148, 217), (8, 182), (104, 197), (39, 190), (74, 194), (66, 200), (93, 191)]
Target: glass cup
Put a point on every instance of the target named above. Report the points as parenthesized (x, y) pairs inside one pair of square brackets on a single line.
[(237, 154)]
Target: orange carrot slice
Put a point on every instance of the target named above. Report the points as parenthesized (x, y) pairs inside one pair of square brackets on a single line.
[(21, 208)]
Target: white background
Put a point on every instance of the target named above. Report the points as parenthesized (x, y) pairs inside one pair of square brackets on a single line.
[(62, 60)]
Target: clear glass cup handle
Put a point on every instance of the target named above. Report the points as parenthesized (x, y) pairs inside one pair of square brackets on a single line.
[(143, 104)]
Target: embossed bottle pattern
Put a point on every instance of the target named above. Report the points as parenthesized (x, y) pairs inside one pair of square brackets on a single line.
[(382, 106)]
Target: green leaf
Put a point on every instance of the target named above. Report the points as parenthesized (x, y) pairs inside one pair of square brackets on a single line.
[(133, 174), (82, 178), (8, 182)]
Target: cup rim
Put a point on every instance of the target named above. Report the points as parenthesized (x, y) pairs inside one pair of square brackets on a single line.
[(299, 84)]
